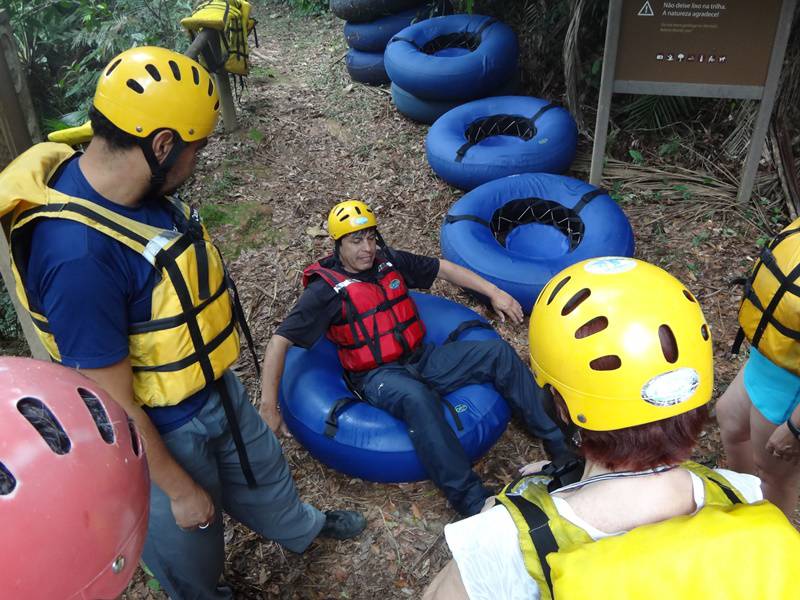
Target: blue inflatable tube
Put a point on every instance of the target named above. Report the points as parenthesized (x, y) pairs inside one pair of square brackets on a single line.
[(374, 35), (499, 136), (370, 443), (519, 231), (366, 67), (457, 57), (427, 111)]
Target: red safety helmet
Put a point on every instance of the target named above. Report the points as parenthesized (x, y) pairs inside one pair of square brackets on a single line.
[(74, 486)]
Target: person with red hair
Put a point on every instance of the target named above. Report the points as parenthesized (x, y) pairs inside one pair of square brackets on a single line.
[(624, 358)]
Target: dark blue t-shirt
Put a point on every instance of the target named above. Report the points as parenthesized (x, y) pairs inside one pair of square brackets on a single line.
[(91, 287)]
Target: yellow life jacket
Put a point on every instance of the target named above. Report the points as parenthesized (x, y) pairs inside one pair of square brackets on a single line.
[(232, 19), (769, 315), (191, 337), (728, 550)]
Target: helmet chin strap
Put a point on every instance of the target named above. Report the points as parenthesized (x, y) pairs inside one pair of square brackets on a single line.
[(159, 170), (572, 433), (382, 244)]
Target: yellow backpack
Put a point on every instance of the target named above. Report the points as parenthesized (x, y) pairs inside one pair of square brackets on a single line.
[(232, 19), (728, 550), (769, 315)]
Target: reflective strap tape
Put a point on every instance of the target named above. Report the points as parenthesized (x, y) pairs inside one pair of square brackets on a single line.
[(156, 245), (343, 284)]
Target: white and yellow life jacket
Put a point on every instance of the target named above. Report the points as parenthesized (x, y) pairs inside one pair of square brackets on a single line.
[(191, 337), (729, 549), (769, 315)]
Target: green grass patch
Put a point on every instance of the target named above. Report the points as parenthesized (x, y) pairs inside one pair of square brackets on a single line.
[(239, 226)]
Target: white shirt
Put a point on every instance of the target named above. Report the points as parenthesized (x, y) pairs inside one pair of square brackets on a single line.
[(486, 546)]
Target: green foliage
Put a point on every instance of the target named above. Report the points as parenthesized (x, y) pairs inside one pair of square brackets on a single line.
[(637, 156), (655, 112), (63, 44)]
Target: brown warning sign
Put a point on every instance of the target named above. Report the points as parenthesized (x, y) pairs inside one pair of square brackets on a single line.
[(699, 42)]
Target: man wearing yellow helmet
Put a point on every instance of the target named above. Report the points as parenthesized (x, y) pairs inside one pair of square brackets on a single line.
[(389, 364), (123, 282), (625, 354)]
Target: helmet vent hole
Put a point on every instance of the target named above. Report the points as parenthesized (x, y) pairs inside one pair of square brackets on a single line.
[(7, 481), (153, 72), (99, 415), (45, 423), (575, 301), (195, 75), (176, 72), (557, 289), (134, 438), (596, 325), (704, 332), (610, 362), (689, 296), (135, 86), (343, 218), (669, 347), (216, 105), (358, 210), (210, 87), (113, 66)]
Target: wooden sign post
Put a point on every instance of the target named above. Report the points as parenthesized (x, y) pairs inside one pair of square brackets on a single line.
[(725, 49)]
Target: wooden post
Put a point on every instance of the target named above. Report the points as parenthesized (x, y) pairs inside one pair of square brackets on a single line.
[(18, 130)]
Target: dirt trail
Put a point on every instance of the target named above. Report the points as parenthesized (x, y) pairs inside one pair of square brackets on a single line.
[(308, 139)]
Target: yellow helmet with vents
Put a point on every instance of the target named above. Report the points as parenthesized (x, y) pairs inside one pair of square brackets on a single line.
[(623, 342), (146, 89), (349, 216)]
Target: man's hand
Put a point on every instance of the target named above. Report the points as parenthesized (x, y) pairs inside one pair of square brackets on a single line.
[(505, 306), (193, 510), (273, 418), (783, 445)]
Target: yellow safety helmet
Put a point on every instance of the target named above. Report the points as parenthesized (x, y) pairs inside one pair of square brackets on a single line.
[(349, 216), (602, 333), (146, 89)]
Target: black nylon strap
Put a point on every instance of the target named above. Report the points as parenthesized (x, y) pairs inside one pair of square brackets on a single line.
[(398, 38), (179, 365), (729, 493), (462, 327), (486, 24), (737, 342), (332, 419), (473, 218), (768, 313), (462, 151), (241, 449), (453, 413), (541, 111), (239, 316), (169, 322), (586, 198), (541, 535)]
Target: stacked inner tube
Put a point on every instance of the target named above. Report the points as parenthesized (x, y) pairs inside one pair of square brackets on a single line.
[(442, 62), (492, 138), (519, 231), (371, 24)]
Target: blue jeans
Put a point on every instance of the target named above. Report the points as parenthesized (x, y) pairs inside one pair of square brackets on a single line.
[(188, 564), (412, 393)]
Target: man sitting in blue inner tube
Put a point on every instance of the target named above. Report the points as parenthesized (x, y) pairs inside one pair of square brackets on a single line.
[(359, 297)]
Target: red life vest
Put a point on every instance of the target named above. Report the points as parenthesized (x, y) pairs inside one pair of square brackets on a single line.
[(382, 322)]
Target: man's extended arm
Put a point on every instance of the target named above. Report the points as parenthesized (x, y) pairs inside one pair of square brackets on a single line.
[(271, 373), (504, 305), (191, 504)]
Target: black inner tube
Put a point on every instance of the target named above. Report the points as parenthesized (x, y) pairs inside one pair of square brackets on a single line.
[(513, 125), (462, 39), (536, 210)]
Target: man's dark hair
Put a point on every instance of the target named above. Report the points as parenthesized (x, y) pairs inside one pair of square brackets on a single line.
[(111, 134)]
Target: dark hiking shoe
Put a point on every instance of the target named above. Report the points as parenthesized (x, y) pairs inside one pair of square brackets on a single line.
[(342, 524)]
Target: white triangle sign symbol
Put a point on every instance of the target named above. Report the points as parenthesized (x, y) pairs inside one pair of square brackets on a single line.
[(646, 10)]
